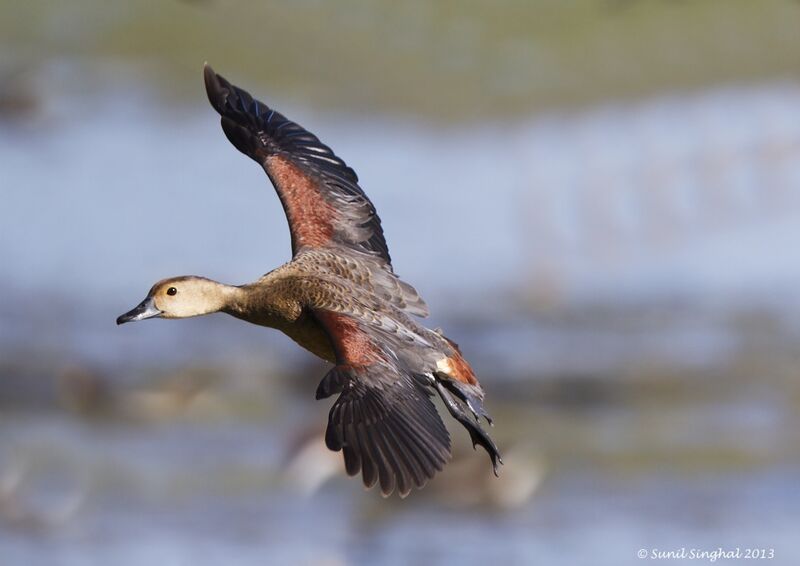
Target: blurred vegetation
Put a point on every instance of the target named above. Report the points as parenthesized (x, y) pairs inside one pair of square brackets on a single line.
[(447, 60)]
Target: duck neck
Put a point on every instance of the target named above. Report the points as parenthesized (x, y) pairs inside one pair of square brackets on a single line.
[(260, 304), (233, 300)]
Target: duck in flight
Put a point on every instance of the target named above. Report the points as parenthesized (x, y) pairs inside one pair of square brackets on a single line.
[(340, 299)]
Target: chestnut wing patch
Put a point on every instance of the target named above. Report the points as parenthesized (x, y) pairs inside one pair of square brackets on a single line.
[(383, 420), (320, 194)]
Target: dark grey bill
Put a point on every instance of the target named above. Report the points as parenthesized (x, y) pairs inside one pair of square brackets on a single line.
[(145, 309)]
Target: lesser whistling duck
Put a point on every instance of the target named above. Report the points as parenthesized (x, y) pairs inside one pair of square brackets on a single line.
[(340, 299)]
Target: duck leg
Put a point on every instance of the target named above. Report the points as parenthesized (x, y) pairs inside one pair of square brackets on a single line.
[(474, 403), (476, 432)]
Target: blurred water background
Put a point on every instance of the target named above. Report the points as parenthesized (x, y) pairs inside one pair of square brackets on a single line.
[(599, 200)]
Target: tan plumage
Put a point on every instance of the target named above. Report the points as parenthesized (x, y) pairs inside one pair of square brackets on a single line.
[(340, 299)]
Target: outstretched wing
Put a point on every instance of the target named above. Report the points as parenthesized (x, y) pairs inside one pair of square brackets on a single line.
[(383, 420), (324, 205)]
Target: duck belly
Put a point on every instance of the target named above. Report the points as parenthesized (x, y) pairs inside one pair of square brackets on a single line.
[(310, 335)]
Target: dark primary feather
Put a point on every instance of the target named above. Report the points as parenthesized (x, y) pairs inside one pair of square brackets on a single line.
[(259, 132), (386, 427)]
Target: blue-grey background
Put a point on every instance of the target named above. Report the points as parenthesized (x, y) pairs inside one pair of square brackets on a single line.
[(599, 199)]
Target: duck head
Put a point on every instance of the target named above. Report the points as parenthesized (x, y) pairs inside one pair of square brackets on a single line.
[(179, 297)]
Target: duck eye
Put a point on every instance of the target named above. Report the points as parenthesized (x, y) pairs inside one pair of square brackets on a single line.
[(172, 291)]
